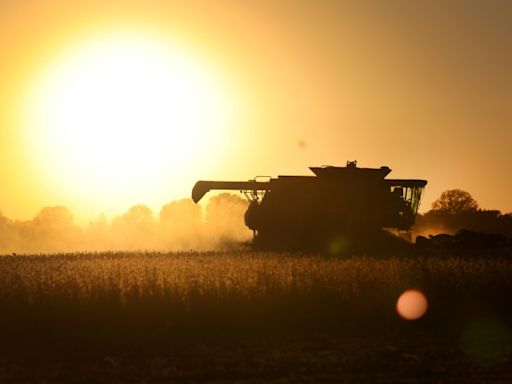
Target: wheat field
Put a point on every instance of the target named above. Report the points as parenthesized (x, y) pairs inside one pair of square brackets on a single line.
[(262, 317), (190, 279)]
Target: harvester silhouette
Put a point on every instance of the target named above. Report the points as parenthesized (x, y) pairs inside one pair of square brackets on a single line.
[(338, 209)]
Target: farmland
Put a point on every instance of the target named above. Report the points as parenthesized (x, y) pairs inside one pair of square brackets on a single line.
[(249, 316)]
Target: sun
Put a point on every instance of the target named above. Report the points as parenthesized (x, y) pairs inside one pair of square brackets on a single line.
[(123, 118)]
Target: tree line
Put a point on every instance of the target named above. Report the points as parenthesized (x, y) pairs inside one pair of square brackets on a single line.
[(183, 225), (180, 225), (456, 209)]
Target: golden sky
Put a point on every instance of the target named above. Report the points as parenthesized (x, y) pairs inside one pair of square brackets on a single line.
[(107, 104)]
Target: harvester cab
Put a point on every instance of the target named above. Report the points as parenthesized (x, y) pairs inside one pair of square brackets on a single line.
[(307, 212)]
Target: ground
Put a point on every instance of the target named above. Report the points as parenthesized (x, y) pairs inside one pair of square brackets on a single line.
[(252, 317)]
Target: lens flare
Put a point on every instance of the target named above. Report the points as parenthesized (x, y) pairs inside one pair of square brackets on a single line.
[(412, 304), (487, 341), (339, 244)]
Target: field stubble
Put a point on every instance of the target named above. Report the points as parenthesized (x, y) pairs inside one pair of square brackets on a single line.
[(127, 307)]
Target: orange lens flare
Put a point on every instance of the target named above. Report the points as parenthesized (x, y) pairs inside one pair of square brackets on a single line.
[(412, 304)]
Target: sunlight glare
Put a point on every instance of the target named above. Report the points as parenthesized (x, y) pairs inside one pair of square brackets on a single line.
[(120, 114)]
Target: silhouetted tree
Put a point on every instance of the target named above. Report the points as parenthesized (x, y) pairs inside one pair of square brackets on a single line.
[(181, 215), (52, 229), (455, 201), (6, 233), (135, 229), (456, 210), (53, 218), (139, 215)]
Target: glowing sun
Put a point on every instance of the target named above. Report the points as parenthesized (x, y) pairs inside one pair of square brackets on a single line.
[(124, 115)]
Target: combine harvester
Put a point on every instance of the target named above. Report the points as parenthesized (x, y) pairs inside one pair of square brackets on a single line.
[(338, 210)]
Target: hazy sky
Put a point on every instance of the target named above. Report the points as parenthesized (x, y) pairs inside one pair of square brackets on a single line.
[(424, 87)]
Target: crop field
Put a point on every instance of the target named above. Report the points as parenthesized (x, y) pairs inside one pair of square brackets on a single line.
[(244, 316)]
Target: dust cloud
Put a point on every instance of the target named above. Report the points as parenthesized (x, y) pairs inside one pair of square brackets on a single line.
[(180, 225)]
